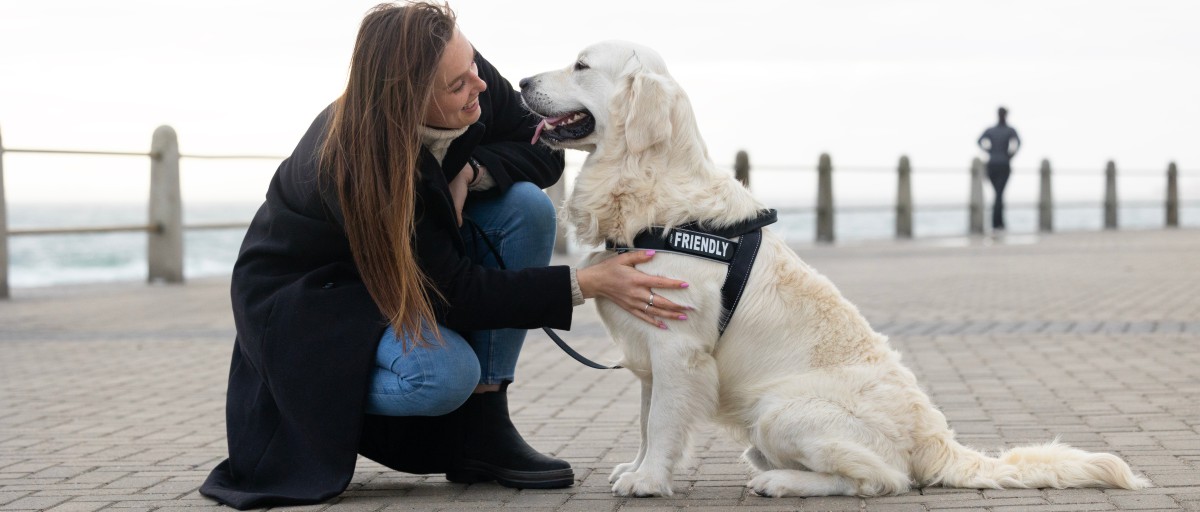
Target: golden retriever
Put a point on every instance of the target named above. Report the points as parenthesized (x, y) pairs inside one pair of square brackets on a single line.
[(821, 401)]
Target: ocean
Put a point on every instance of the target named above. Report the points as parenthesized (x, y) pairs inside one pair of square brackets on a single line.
[(46, 260)]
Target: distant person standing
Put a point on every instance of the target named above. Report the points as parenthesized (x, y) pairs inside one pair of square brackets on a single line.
[(1000, 151)]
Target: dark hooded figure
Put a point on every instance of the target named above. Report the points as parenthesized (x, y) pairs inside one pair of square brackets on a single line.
[(1002, 144)]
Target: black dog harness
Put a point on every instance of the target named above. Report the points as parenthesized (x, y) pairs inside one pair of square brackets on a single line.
[(692, 240), (712, 244)]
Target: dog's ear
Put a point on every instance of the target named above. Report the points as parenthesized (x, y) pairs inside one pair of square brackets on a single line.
[(648, 111)]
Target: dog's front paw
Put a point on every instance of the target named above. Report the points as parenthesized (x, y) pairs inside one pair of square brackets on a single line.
[(641, 485), (621, 469), (773, 484)]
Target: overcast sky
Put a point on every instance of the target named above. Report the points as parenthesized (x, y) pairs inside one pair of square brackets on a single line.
[(867, 81)]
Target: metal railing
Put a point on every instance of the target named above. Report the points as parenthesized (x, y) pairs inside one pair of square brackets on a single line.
[(164, 226), (904, 207)]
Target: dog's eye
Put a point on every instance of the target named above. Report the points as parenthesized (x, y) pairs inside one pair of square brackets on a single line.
[(580, 66)]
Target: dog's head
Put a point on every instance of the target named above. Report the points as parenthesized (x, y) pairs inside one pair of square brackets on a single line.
[(615, 92)]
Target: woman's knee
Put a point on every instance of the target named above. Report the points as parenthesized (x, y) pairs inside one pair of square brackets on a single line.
[(455, 380), (534, 207), (444, 400), (426, 381)]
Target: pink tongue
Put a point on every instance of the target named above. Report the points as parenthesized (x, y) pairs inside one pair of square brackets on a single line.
[(537, 132), (549, 120)]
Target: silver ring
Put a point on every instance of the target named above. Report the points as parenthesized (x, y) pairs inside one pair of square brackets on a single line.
[(647, 307), (651, 302)]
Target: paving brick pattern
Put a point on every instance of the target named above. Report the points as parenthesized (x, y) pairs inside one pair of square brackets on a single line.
[(111, 396)]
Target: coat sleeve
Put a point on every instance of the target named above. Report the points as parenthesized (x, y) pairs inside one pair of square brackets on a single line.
[(506, 151), (472, 297)]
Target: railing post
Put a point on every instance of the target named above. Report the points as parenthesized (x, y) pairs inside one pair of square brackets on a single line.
[(558, 193), (741, 168), (1173, 196), (904, 207), (1110, 196), (825, 199), (976, 207), (164, 249), (1046, 201), (3, 230)]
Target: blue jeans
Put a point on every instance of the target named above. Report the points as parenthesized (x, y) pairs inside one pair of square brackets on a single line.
[(435, 380)]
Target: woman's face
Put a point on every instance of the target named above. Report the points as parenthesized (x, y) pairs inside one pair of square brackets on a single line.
[(456, 87)]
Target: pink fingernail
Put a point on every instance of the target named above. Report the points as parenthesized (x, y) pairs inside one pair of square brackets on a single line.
[(684, 285), (650, 252), (662, 325), (683, 317)]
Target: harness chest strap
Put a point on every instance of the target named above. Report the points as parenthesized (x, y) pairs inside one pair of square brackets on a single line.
[(738, 275), (712, 244)]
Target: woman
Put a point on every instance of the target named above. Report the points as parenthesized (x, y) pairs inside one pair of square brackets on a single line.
[(371, 319)]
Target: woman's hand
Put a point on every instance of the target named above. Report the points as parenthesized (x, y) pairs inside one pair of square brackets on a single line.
[(616, 280), (458, 190)]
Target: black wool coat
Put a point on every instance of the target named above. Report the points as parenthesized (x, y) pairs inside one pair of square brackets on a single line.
[(307, 329)]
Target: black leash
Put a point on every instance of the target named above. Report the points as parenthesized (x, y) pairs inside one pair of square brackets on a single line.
[(554, 336)]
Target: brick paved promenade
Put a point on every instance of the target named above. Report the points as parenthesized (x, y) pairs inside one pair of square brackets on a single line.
[(111, 396)]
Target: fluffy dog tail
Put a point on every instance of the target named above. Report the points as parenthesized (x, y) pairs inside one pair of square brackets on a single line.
[(1053, 465)]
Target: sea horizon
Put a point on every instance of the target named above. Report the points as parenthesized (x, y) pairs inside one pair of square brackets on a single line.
[(51, 260)]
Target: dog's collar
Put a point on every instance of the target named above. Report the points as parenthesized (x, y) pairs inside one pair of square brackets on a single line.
[(713, 244)]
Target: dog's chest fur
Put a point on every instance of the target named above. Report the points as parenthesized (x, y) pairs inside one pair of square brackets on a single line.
[(698, 333)]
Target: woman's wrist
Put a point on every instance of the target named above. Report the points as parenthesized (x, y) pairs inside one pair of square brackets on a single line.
[(474, 170), (585, 278), (576, 292)]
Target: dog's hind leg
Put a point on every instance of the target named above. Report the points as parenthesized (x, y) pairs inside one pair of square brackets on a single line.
[(836, 447), (683, 392), (757, 460), (842, 468), (621, 469), (791, 482)]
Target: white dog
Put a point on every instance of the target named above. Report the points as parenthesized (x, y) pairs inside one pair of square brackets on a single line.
[(820, 399)]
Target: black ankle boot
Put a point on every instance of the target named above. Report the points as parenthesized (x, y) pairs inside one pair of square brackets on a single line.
[(494, 450)]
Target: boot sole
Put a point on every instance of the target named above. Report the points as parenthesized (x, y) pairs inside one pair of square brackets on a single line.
[(473, 471)]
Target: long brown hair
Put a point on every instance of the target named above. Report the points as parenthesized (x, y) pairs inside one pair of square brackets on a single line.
[(371, 153)]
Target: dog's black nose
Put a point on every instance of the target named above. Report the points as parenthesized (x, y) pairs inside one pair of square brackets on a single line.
[(526, 81)]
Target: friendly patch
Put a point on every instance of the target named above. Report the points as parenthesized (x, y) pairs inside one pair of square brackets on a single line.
[(701, 244)]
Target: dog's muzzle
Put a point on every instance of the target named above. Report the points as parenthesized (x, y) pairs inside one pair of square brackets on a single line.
[(570, 126)]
